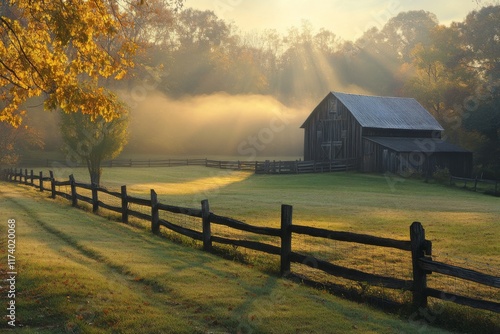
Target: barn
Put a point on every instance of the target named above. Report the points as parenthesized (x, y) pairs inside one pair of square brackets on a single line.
[(380, 134)]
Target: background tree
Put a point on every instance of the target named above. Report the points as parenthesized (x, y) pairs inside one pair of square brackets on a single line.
[(481, 42), (441, 79), (91, 141), (15, 140)]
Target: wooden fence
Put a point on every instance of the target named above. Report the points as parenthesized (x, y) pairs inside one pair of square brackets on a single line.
[(418, 247), (475, 184), (259, 167)]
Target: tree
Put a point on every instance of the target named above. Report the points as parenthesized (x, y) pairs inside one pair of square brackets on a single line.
[(441, 77), (14, 140), (481, 40), (306, 64), (200, 48), (53, 48), (404, 31), (92, 141)]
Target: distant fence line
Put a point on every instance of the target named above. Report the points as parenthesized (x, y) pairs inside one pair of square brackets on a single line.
[(420, 248), (258, 167), (475, 184)]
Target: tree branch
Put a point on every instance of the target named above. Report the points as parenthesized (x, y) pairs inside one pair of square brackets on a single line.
[(21, 49), (14, 74)]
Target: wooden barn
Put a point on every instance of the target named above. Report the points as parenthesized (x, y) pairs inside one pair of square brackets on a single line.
[(381, 134)]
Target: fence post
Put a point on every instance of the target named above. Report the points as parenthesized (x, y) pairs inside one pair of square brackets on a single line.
[(124, 205), (74, 200), (286, 238), (52, 184), (31, 177), (207, 233), (95, 198), (41, 181), (418, 247), (25, 176), (155, 217)]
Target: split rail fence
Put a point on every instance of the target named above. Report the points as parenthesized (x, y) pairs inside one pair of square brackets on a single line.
[(418, 246), (258, 167), (491, 186)]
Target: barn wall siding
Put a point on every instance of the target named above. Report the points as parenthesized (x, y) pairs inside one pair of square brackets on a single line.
[(332, 135)]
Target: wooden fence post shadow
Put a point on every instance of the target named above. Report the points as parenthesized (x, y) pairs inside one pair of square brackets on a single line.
[(207, 234), (155, 216), (286, 238), (418, 250), (124, 205)]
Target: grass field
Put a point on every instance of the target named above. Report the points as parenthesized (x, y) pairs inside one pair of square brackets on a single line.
[(81, 273), (462, 225)]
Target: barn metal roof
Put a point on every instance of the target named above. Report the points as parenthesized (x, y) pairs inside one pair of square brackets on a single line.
[(388, 112), (421, 145)]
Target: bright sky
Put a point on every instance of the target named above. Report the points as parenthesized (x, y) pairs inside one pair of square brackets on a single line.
[(346, 18)]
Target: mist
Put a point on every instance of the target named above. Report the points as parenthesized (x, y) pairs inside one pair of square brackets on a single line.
[(247, 126)]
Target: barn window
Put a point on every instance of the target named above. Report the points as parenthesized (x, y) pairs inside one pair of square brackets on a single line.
[(332, 106)]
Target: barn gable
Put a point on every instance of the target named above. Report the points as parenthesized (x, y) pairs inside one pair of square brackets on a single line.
[(380, 134)]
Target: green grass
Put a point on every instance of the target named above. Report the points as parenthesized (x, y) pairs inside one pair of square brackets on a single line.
[(81, 273), (462, 225), (385, 206)]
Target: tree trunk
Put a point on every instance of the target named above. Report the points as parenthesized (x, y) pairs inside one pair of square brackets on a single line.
[(94, 167)]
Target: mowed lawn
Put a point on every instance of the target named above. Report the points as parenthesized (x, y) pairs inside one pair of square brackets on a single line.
[(82, 273), (464, 226)]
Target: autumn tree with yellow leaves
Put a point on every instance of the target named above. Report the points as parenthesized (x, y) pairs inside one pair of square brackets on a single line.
[(57, 49), (66, 51)]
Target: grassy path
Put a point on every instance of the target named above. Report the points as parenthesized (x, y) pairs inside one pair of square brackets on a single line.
[(80, 273)]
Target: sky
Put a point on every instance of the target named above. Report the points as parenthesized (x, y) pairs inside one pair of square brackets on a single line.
[(348, 19)]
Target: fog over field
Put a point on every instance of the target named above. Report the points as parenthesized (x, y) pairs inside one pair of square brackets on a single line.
[(219, 124)]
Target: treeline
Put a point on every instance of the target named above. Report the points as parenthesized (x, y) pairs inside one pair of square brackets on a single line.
[(452, 70)]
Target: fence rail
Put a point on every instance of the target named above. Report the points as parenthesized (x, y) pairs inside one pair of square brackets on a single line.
[(418, 246), (492, 185), (258, 167)]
